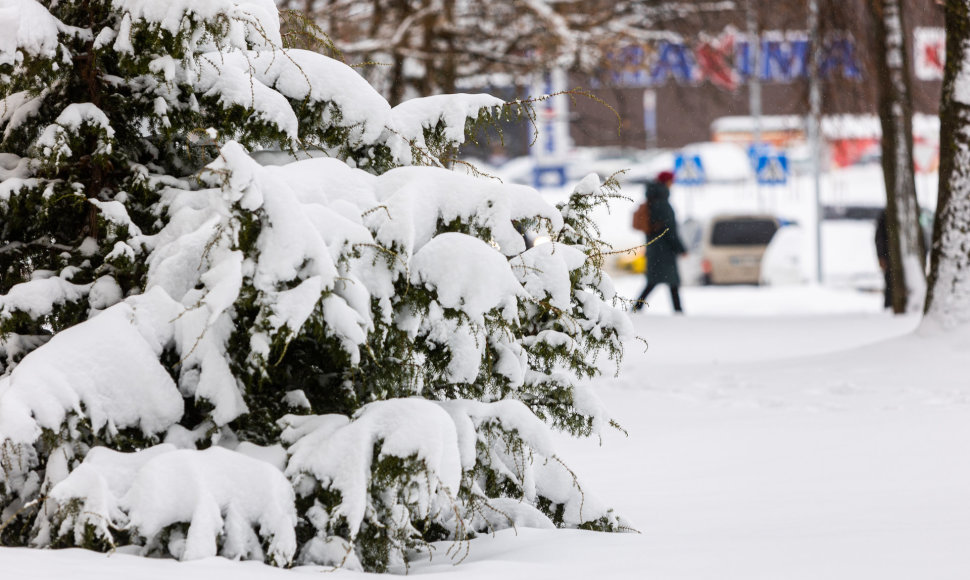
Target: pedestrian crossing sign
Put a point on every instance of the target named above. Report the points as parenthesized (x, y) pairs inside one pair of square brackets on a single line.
[(548, 176), (772, 169), (688, 170)]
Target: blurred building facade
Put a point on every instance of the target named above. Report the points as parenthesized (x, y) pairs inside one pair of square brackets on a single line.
[(680, 88)]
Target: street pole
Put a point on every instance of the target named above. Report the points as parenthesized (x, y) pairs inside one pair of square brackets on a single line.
[(754, 76), (754, 85), (814, 127), (650, 117)]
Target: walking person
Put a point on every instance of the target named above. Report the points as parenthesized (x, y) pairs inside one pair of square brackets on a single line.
[(663, 242), (882, 252)]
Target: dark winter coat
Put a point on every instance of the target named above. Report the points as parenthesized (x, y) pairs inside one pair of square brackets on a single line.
[(882, 238), (662, 251)]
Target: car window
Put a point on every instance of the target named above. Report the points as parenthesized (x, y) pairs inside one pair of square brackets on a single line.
[(851, 212), (743, 232)]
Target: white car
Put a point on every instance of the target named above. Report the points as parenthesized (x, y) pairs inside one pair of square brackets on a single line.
[(848, 256)]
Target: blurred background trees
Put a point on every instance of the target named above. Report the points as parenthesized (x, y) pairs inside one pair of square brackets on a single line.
[(424, 47)]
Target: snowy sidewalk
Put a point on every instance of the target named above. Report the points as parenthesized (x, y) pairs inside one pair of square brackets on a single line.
[(816, 447)]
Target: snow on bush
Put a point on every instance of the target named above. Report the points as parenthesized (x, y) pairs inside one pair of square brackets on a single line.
[(192, 504), (335, 359)]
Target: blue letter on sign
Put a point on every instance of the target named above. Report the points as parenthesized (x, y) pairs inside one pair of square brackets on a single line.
[(840, 53), (784, 61), (672, 59)]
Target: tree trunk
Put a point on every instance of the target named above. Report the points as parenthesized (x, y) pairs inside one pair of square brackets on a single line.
[(450, 73), (906, 246), (948, 299), (396, 80)]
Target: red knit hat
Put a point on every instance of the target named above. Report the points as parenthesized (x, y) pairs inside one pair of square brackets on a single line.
[(665, 177)]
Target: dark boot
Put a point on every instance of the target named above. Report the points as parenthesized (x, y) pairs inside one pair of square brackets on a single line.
[(675, 299), (641, 301)]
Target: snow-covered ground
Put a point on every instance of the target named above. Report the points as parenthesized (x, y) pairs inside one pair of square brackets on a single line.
[(773, 433), (800, 445)]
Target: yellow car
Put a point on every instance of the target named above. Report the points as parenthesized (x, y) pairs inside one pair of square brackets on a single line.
[(633, 261)]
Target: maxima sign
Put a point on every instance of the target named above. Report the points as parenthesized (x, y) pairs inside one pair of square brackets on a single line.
[(727, 59)]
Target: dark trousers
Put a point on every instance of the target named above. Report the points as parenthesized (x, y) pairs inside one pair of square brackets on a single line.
[(888, 290), (674, 297)]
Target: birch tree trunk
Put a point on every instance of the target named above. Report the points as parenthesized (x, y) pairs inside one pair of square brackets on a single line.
[(906, 246), (948, 299)]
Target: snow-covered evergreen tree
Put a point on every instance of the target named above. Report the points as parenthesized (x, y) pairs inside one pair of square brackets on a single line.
[(246, 310)]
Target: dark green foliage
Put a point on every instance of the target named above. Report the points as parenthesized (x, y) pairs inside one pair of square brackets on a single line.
[(399, 482), (90, 539)]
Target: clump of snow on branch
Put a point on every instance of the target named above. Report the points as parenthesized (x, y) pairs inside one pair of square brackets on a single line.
[(230, 503), (337, 452), (414, 117), (79, 373), (29, 27)]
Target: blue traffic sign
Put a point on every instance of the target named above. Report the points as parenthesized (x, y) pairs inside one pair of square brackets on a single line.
[(758, 150), (772, 169), (548, 176), (689, 170)]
